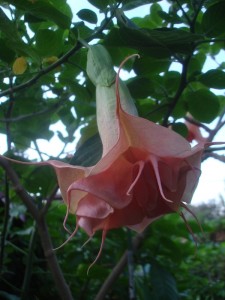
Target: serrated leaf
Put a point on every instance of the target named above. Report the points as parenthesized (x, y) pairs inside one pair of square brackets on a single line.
[(19, 65), (203, 105), (88, 15), (213, 21), (213, 79)]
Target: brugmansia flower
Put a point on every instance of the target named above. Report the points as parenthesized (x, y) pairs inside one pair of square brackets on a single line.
[(146, 172)]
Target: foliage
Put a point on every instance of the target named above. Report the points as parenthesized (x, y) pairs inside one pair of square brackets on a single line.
[(43, 80)]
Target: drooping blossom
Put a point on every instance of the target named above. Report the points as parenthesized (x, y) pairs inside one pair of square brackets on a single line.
[(146, 171)]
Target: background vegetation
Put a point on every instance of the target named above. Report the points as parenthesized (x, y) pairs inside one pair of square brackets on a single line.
[(43, 80)]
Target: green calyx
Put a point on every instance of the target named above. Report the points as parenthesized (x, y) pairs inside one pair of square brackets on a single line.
[(100, 66)]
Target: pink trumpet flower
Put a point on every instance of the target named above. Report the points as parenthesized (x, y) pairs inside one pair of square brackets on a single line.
[(147, 172), (150, 171)]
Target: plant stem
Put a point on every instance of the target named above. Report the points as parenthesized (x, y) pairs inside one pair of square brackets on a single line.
[(118, 269), (130, 264), (61, 285), (29, 264), (5, 223)]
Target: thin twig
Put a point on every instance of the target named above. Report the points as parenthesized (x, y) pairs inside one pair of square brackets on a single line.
[(5, 223), (218, 126), (130, 263), (29, 264), (182, 86), (184, 12), (22, 193), (38, 113), (192, 121), (49, 200), (51, 258), (218, 157), (212, 149), (118, 269), (193, 21)]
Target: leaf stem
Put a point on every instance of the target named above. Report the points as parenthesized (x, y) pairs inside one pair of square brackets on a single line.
[(130, 264), (29, 264), (118, 269), (5, 223), (53, 264)]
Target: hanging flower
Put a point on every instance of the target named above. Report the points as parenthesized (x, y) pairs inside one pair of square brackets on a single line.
[(146, 172)]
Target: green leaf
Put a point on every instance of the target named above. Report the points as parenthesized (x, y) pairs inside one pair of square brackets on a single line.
[(149, 110), (49, 42), (222, 102), (89, 153), (88, 15), (171, 81), (152, 20), (158, 43), (6, 54), (45, 10), (131, 4), (84, 31), (180, 128), (180, 109), (140, 87), (148, 65), (213, 79), (99, 3), (195, 65), (203, 105), (170, 17), (213, 21), (164, 285), (7, 26), (12, 39)]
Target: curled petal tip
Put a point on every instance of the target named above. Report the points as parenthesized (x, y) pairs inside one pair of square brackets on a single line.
[(100, 250), (69, 238)]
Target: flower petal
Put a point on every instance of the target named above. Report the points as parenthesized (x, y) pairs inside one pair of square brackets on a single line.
[(67, 174), (110, 185), (151, 137), (93, 207)]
